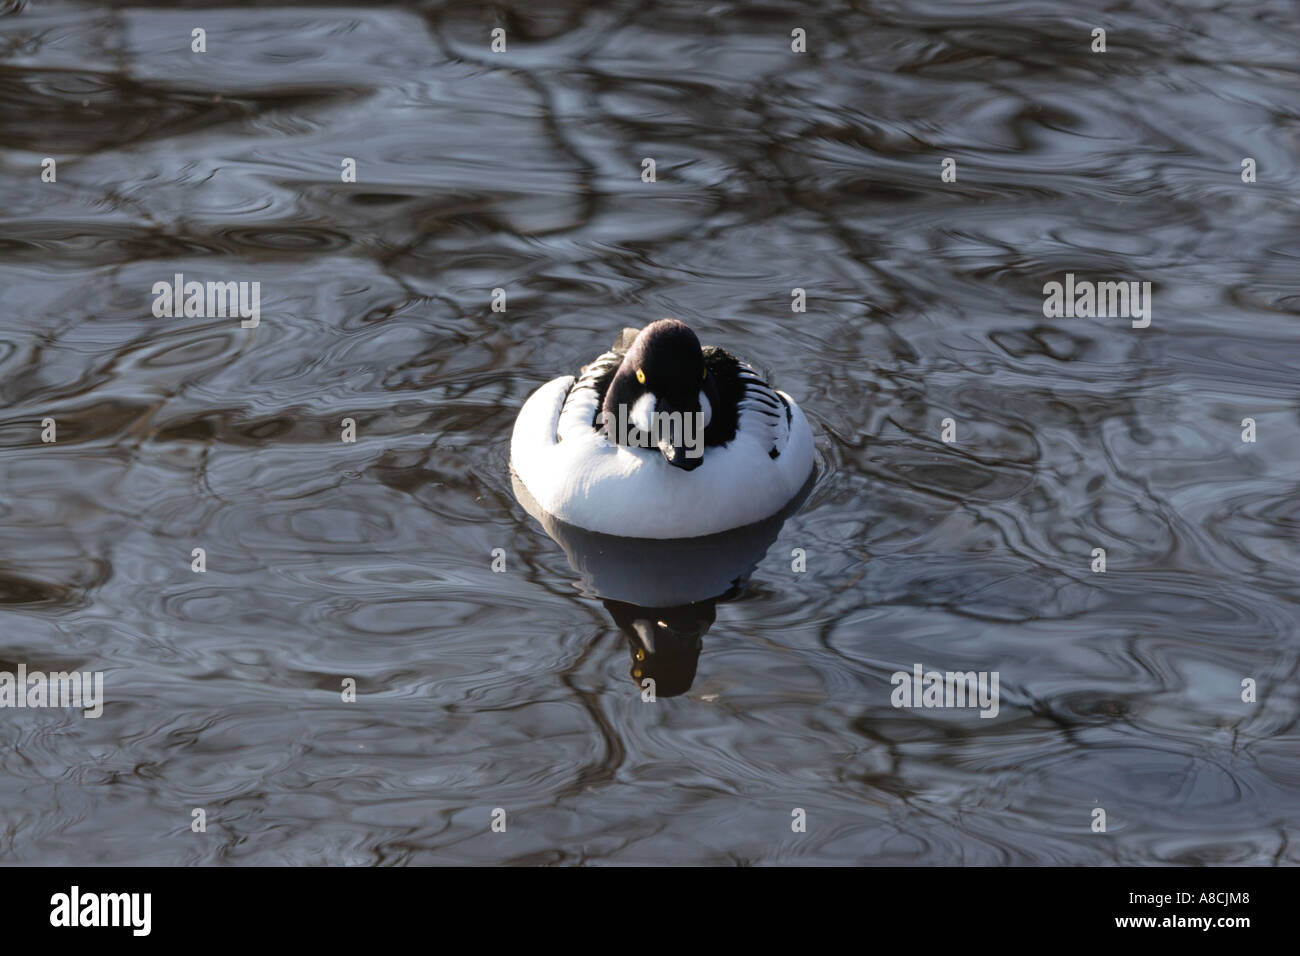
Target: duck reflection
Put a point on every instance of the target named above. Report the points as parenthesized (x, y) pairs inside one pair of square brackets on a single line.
[(664, 642), (663, 594)]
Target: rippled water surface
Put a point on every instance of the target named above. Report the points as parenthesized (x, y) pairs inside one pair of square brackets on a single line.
[(775, 171)]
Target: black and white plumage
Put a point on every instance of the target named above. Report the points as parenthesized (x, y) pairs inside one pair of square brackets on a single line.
[(755, 452)]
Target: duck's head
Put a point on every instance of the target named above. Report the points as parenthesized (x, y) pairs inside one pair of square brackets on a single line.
[(663, 382)]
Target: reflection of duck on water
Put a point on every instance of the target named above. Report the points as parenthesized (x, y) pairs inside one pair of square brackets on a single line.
[(661, 593), (664, 642)]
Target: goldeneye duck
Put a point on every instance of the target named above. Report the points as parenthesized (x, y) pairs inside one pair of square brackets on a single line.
[(661, 438)]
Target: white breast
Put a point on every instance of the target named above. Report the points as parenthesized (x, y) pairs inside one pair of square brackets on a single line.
[(580, 477)]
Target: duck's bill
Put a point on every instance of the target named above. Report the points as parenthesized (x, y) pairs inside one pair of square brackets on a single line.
[(680, 456)]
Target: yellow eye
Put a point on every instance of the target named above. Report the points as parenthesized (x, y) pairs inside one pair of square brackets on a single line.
[(640, 376), (640, 654)]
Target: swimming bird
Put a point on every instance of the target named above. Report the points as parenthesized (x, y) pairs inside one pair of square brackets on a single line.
[(661, 438)]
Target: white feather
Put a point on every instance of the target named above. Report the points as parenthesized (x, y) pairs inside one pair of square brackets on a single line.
[(576, 474)]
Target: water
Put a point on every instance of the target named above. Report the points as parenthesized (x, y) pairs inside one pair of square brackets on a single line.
[(775, 170)]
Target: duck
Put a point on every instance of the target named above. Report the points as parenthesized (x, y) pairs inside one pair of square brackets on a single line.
[(662, 438)]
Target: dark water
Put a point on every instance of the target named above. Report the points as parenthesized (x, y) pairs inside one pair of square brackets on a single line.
[(775, 170)]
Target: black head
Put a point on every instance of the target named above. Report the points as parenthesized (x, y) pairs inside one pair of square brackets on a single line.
[(666, 363)]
